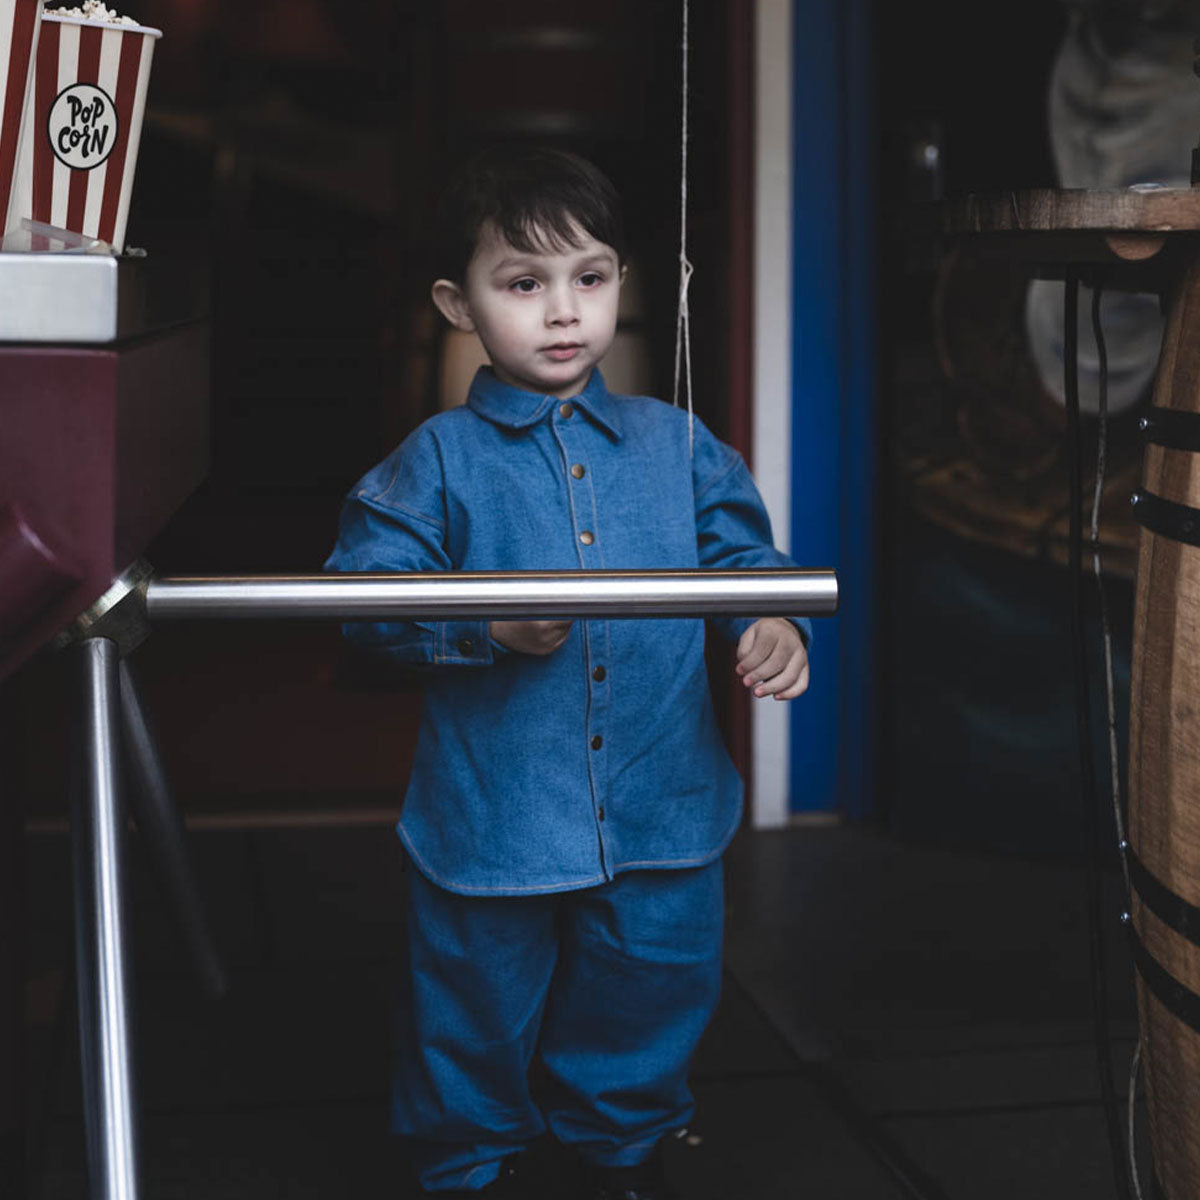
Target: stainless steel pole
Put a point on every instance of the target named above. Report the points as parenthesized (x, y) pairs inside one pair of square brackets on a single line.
[(98, 835), (494, 595)]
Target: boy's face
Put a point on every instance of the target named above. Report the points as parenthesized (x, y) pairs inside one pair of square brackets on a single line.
[(546, 318)]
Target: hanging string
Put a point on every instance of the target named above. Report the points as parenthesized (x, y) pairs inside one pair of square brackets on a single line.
[(683, 328)]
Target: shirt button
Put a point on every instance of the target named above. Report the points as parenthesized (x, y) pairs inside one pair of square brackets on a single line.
[(566, 410), (578, 471), (599, 674), (466, 646), (600, 814), (587, 537), (597, 742)]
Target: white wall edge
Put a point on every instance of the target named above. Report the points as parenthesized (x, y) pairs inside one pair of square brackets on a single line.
[(772, 393)]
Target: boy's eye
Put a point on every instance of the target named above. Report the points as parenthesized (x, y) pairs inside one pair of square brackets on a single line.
[(591, 279), (524, 285)]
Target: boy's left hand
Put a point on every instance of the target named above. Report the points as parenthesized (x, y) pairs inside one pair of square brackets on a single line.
[(772, 660)]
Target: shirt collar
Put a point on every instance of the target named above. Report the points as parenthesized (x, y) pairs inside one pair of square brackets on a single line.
[(515, 408)]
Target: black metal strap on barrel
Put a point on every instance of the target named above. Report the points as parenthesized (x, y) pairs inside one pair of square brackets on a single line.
[(1168, 906), (1179, 522), (1175, 997), (1171, 428)]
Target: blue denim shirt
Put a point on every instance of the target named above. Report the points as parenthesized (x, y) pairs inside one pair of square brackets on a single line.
[(543, 774)]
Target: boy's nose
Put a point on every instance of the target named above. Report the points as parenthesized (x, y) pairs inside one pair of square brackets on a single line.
[(562, 310)]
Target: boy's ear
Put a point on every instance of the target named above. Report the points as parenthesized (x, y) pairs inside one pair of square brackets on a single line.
[(452, 304)]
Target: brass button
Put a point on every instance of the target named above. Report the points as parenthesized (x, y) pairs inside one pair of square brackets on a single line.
[(597, 742), (466, 646), (587, 537), (600, 814), (578, 471), (599, 674), (567, 410)]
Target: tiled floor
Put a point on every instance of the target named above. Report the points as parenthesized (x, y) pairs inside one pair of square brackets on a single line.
[(897, 1022)]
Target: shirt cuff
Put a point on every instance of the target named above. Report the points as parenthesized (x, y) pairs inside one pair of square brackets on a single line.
[(465, 643)]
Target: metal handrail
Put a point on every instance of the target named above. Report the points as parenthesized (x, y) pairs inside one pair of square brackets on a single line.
[(491, 595)]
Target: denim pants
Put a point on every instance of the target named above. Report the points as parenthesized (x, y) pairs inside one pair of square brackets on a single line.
[(608, 989)]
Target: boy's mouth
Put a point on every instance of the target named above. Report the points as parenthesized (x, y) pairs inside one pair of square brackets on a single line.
[(562, 351)]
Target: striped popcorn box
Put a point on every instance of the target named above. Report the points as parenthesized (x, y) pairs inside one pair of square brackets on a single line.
[(88, 98), (20, 21)]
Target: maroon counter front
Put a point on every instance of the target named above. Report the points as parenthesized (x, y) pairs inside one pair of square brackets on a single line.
[(103, 435)]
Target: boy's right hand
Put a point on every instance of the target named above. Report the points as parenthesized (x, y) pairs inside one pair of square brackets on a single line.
[(531, 637)]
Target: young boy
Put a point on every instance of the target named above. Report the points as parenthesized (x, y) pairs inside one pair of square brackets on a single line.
[(570, 797)]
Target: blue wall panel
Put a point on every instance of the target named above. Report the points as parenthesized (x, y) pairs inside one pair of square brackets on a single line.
[(833, 421)]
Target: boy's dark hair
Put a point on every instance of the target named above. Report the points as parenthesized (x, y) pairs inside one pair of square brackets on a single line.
[(536, 197)]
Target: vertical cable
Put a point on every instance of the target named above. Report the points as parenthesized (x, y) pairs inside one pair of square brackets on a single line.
[(1132, 1123), (1097, 569), (1110, 691), (1083, 723)]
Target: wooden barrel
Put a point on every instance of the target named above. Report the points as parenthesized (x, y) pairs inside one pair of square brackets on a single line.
[(1164, 753), (1128, 232)]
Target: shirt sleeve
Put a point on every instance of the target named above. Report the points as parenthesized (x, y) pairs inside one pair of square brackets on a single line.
[(394, 520), (732, 526)]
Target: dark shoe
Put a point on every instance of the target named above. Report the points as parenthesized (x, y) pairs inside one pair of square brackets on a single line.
[(506, 1186), (646, 1181)]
